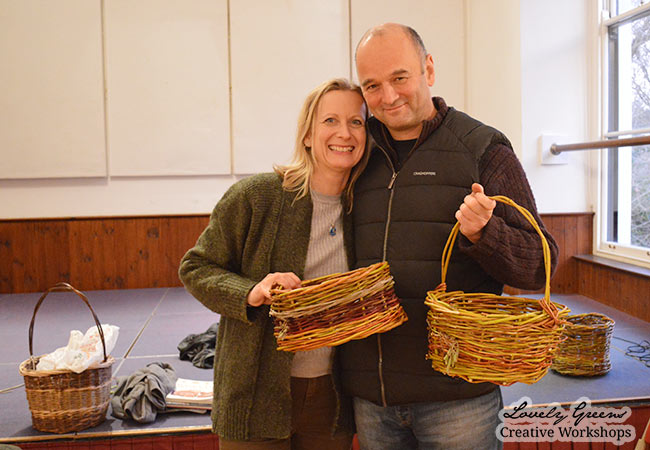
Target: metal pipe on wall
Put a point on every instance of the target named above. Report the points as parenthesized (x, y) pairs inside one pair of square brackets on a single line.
[(607, 143)]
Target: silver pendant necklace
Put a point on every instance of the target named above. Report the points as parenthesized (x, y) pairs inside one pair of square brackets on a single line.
[(332, 230)]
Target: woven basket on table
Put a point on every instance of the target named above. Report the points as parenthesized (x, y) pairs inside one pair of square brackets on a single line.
[(62, 401), (335, 309), (486, 337), (585, 351)]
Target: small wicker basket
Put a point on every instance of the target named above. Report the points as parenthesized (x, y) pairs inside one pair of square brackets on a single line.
[(335, 309), (585, 351), (62, 401), (486, 337)]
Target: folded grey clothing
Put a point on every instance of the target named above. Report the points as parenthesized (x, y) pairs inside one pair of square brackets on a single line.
[(199, 348), (141, 395)]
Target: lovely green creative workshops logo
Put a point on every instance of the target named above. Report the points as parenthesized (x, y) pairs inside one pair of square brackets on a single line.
[(580, 423)]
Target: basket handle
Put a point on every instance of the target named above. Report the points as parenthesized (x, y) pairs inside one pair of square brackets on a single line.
[(546, 301), (61, 287)]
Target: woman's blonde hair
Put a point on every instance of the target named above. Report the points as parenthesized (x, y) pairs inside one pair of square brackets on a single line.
[(297, 174)]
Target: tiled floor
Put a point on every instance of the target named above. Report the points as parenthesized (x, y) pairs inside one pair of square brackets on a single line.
[(152, 322)]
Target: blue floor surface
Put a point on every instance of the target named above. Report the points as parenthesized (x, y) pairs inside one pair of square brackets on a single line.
[(153, 321)]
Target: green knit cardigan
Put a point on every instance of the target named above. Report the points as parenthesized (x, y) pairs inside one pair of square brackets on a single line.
[(255, 229)]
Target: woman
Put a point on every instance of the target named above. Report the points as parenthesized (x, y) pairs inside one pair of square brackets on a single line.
[(280, 228)]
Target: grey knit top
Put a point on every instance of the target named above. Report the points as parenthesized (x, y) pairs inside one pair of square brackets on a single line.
[(325, 255)]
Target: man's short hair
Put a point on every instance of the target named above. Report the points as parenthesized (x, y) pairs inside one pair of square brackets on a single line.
[(416, 40)]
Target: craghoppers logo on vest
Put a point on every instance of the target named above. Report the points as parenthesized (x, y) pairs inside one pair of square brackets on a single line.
[(424, 174)]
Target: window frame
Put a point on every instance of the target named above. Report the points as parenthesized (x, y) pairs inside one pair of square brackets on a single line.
[(639, 256)]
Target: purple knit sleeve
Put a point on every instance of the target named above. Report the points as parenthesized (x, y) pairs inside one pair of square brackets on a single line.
[(510, 250)]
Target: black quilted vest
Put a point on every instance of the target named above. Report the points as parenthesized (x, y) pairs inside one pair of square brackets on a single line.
[(408, 225)]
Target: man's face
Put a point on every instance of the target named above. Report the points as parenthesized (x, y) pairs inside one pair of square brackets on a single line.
[(394, 84)]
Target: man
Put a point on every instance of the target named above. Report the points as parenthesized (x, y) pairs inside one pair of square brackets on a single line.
[(430, 166)]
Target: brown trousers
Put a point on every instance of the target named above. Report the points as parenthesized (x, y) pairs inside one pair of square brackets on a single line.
[(312, 415)]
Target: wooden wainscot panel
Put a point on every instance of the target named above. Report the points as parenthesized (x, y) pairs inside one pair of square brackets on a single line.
[(95, 253), (573, 234), (616, 287), (30, 252)]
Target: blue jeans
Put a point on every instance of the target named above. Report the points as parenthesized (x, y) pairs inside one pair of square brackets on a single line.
[(454, 425)]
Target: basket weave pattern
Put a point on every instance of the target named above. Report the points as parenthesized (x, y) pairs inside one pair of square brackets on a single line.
[(62, 401), (585, 351), (483, 337), (334, 309)]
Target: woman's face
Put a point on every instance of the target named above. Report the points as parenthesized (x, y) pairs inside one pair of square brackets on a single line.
[(338, 136)]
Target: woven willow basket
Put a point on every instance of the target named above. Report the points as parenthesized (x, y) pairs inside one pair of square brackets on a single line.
[(585, 351), (62, 401), (335, 309), (486, 337)]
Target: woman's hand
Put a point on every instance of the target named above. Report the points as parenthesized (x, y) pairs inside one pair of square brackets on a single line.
[(260, 294)]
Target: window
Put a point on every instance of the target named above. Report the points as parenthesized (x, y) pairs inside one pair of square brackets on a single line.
[(625, 212)]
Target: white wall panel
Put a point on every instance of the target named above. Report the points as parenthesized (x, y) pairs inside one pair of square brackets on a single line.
[(51, 95), (121, 196), (556, 99), (280, 50), (440, 23), (493, 67), (168, 91), (167, 81)]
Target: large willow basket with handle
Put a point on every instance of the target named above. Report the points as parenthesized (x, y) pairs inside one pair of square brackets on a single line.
[(486, 337), (62, 401), (335, 309), (585, 349)]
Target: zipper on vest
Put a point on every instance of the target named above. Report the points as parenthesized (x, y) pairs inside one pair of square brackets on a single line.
[(392, 181), (381, 373), (381, 356), (390, 207), (380, 363)]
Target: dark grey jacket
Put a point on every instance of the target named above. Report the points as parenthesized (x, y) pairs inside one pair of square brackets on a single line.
[(404, 215)]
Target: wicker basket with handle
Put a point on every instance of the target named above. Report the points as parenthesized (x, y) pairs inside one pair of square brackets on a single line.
[(62, 401), (486, 337)]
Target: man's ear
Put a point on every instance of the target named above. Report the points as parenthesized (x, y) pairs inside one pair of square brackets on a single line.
[(429, 70)]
